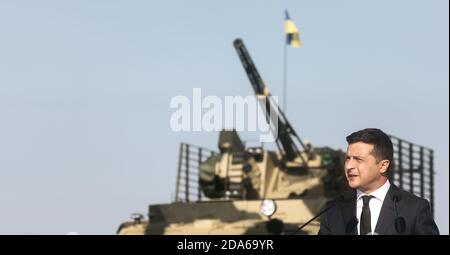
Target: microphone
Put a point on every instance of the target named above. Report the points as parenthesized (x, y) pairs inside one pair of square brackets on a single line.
[(399, 222), (344, 197)]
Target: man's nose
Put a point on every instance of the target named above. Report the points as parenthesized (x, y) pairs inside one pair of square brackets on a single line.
[(349, 164)]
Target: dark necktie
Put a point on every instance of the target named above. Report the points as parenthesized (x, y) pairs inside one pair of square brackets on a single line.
[(364, 227)]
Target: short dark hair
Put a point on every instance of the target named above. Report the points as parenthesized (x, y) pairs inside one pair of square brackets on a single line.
[(382, 144)]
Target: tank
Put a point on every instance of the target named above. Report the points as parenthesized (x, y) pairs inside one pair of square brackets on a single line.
[(239, 189)]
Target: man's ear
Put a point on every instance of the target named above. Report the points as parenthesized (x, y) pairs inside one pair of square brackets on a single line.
[(384, 165)]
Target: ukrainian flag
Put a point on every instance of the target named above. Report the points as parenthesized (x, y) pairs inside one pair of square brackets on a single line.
[(292, 33)]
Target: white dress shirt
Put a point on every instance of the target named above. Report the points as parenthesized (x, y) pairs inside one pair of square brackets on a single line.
[(375, 204)]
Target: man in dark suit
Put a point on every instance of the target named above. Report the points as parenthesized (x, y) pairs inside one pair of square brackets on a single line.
[(375, 206)]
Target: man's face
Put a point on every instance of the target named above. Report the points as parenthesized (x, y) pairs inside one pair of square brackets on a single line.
[(362, 170)]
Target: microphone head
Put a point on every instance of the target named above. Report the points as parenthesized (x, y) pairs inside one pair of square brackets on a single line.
[(342, 198), (346, 196), (396, 196)]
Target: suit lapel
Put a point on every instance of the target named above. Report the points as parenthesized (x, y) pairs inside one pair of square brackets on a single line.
[(387, 215), (348, 213)]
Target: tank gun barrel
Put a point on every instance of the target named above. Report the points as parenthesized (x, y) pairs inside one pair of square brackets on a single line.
[(283, 131)]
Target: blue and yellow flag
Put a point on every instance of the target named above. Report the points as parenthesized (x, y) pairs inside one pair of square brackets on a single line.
[(292, 33)]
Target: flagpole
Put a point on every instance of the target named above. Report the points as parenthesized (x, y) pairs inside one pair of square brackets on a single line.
[(285, 78)]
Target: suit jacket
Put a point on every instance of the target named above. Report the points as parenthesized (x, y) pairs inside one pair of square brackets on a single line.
[(341, 219)]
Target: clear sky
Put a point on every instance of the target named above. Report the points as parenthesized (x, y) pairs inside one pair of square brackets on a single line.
[(85, 88)]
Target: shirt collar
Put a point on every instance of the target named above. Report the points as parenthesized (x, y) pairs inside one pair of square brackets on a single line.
[(379, 194)]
